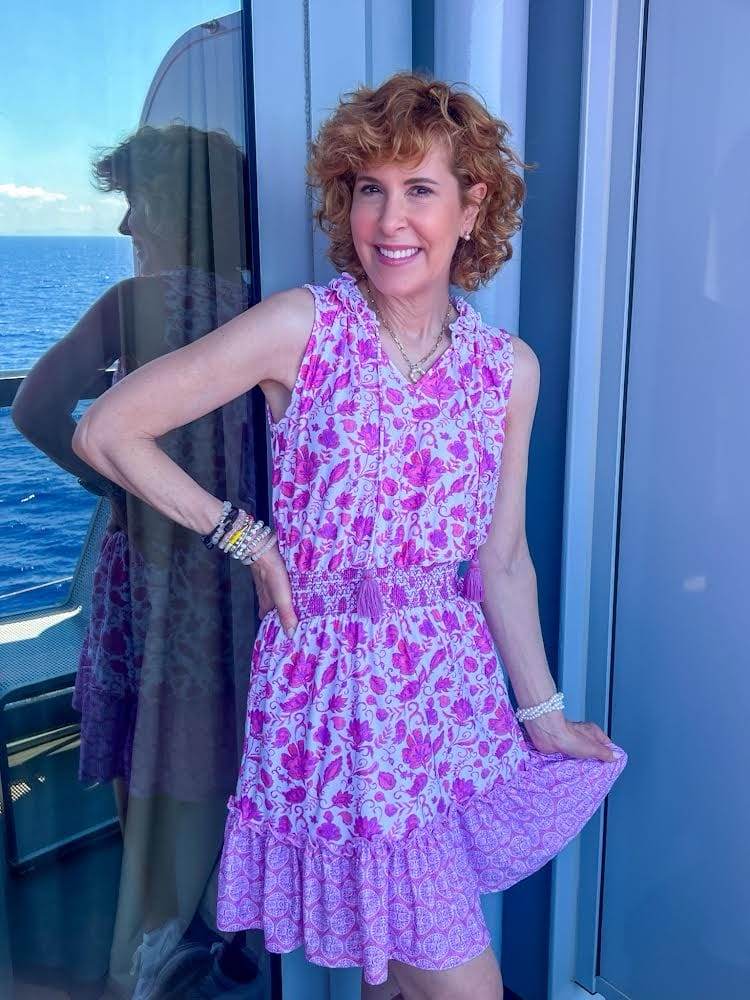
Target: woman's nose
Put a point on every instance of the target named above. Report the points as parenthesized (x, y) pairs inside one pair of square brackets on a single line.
[(124, 227), (392, 217)]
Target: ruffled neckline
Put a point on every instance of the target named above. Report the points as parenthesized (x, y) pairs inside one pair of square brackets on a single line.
[(467, 319)]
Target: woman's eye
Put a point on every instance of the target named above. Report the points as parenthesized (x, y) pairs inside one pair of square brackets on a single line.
[(418, 190)]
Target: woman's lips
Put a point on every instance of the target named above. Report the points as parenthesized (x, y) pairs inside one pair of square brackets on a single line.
[(397, 261)]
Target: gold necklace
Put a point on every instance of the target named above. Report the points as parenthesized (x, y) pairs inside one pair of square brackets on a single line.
[(416, 368)]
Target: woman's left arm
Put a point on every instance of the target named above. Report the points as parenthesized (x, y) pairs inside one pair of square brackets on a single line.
[(510, 604)]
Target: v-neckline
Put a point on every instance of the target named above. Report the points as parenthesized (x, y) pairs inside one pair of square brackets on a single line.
[(384, 358)]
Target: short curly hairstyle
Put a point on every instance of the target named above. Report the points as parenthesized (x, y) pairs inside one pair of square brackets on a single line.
[(192, 183), (398, 122)]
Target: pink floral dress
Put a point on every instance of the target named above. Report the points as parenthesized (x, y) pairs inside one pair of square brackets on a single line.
[(385, 782)]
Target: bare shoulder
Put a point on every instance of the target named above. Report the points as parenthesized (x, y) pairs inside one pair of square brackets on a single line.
[(288, 316), (293, 309), (526, 377), (260, 344)]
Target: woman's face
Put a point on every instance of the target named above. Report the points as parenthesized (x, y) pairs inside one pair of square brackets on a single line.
[(407, 220), (134, 224)]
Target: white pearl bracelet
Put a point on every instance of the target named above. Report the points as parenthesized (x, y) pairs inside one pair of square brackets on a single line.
[(255, 556), (534, 711)]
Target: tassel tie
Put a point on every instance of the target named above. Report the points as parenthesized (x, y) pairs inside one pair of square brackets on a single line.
[(472, 586), (370, 598)]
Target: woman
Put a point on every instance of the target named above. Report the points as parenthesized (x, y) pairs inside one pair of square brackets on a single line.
[(155, 682), (386, 781)]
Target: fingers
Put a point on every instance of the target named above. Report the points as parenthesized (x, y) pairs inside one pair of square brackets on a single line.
[(274, 590), (598, 743), (599, 734), (287, 615), (601, 741)]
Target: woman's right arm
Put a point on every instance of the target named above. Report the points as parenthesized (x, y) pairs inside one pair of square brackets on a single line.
[(118, 434)]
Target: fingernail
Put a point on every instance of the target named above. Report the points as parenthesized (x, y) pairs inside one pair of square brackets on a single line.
[(290, 631)]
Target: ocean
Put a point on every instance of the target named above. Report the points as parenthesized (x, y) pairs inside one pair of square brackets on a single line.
[(46, 284)]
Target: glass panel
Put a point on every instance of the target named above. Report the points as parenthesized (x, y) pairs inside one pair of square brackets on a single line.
[(675, 915), (124, 642)]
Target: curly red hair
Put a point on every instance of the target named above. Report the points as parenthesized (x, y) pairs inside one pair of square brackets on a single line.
[(398, 122)]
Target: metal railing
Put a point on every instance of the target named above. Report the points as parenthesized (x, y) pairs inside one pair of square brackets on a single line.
[(10, 383)]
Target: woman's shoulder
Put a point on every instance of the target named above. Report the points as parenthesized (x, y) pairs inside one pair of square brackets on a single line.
[(286, 315), (509, 353), (491, 339), (499, 339), (301, 305), (299, 295)]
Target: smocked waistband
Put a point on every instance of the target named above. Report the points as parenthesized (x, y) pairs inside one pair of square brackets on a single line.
[(326, 592)]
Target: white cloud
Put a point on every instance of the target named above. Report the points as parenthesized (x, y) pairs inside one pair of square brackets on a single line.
[(77, 210), (24, 191)]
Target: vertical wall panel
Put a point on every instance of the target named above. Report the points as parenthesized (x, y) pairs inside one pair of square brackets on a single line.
[(676, 877)]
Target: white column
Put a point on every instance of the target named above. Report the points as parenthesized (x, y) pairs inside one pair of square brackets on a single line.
[(484, 43), (305, 56)]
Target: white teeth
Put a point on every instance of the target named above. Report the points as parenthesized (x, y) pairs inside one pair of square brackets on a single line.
[(398, 254)]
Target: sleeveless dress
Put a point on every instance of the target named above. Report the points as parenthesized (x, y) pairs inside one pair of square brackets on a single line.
[(385, 782)]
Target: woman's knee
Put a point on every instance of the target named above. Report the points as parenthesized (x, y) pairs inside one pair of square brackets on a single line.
[(477, 979)]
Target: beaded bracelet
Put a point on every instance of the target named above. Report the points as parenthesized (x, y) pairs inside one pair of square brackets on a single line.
[(257, 544), (235, 532), (246, 538), (212, 537), (228, 516), (257, 541), (534, 711), (258, 534), (254, 558), (242, 539)]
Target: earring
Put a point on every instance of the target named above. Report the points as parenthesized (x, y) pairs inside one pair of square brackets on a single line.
[(467, 236)]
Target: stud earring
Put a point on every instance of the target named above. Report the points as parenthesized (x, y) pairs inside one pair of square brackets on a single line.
[(467, 236)]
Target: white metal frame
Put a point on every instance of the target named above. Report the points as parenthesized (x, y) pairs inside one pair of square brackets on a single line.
[(614, 36)]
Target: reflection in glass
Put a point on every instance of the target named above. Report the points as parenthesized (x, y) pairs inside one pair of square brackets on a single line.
[(161, 668)]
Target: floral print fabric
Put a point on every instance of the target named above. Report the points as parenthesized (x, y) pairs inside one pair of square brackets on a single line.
[(385, 781)]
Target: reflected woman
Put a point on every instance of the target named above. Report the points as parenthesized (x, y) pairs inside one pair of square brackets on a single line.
[(156, 680)]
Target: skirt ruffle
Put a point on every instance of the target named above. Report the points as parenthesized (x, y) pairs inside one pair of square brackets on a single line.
[(106, 684), (415, 899), (107, 728)]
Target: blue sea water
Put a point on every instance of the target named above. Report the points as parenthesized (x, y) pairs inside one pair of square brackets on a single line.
[(46, 284)]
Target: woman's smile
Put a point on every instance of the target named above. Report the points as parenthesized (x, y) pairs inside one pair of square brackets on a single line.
[(397, 255)]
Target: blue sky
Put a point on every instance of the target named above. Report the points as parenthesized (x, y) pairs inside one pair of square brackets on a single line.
[(75, 74)]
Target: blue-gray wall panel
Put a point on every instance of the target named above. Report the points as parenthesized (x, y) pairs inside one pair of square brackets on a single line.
[(552, 116)]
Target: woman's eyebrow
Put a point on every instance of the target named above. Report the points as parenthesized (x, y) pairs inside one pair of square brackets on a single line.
[(409, 180)]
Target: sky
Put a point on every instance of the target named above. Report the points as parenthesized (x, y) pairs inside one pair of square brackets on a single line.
[(75, 75)]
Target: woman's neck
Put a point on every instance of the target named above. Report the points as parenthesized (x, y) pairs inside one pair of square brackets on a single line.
[(416, 320)]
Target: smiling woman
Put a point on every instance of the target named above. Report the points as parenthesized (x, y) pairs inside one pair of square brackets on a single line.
[(458, 146), (386, 782)]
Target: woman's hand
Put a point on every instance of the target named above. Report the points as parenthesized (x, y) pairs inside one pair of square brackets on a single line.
[(274, 588), (553, 733)]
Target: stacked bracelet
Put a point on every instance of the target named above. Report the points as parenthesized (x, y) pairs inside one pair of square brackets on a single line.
[(534, 711), (229, 515), (256, 555), (239, 542), (241, 536), (235, 532)]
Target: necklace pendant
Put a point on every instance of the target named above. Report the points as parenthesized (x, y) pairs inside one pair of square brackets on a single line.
[(415, 373)]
